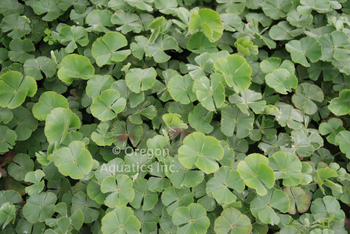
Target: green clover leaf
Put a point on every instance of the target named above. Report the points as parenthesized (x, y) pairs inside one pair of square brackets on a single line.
[(39, 207), (143, 195), (107, 105), (341, 105), (105, 49), (208, 21), (281, 80), (35, 178), (233, 120), (15, 24), (343, 139), (181, 176), (50, 7), (263, 207), (332, 127), (99, 20), (307, 47), (326, 207), (128, 21), (305, 95), (232, 220), (59, 122), (297, 197), (276, 9), (119, 189), (14, 89), (235, 70), (70, 36), (120, 220), (210, 93), (75, 66), (219, 186), (201, 151), (47, 102), (7, 139), (34, 67), (180, 89), (192, 219), (80, 201), (173, 198), (286, 166), (74, 161), (255, 171), (139, 80)]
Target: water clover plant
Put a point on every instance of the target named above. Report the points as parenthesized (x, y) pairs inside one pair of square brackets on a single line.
[(174, 116)]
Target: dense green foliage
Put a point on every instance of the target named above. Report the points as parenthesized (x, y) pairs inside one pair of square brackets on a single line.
[(174, 116)]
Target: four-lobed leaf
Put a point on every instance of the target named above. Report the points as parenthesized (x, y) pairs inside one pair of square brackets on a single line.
[(21, 165), (334, 46), (341, 105), (281, 80), (59, 122), (14, 88), (248, 99), (332, 127), (74, 161), (236, 71), (8, 138), (143, 195), (128, 21), (305, 95), (120, 220), (208, 21), (233, 120), (47, 102), (39, 207), (99, 20), (297, 197), (35, 177), (180, 89), (219, 186), (327, 207), (16, 25), (20, 50), (263, 206), (7, 214), (75, 66), (50, 7), (276, 9), (211, 93), (181, 176), (105, 50), (119, 189), (286, 166), (343, 139), (307, 47), (174, 198), (232, 220), (192, 219), (256, 173), (156, 49), (35, 67), (70, 36), (139, 80), (108, 105), (201, 151), (23, 123), (81, 201)]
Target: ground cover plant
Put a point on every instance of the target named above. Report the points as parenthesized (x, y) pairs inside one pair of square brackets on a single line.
[(176, 116)]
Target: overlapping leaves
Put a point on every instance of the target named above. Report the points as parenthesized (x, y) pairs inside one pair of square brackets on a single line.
[(149, 116)]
